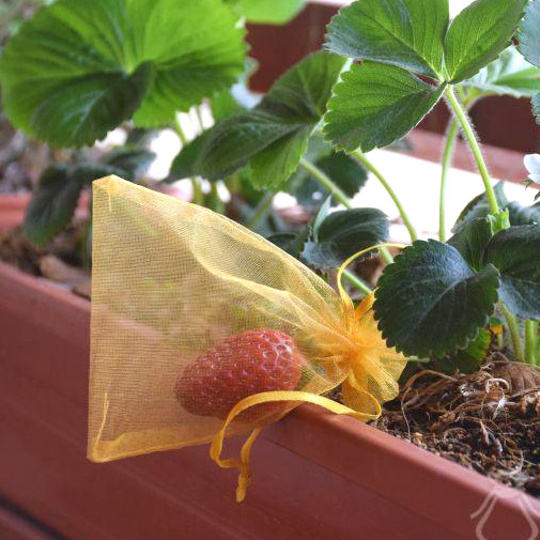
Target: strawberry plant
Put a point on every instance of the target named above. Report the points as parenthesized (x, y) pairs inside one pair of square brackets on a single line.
[(388, 63), (77, 70), (217, 298), (90, 67)]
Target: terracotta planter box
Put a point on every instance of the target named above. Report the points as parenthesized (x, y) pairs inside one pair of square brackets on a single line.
[(316, 476), (12, 209)]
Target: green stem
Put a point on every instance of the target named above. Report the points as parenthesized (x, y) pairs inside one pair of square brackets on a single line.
[(531, 341), (198, 195), (513, 328), (357, 282), (325, 181), (370, 167), (214, 200), (448, 154), (179, 130), (468, 131), (261, 210), (199, 115), (386, 255)]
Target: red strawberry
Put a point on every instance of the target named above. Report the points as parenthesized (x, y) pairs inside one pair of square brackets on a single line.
[(255, 361)]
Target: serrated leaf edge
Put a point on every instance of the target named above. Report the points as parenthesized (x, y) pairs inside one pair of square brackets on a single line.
[(458, 344)]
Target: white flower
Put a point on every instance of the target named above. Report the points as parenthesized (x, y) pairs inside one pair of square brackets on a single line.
[(532, 164)]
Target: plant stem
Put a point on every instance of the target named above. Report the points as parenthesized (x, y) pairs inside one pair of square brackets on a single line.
[(386, 255), (370, 167), (177, 126), (199, 114), (214, 200), (198, 195), (461, 117), (468, 131), (325, 181), (261, 210), (448, 153), (513, 328), (357, 282), (531, 341)]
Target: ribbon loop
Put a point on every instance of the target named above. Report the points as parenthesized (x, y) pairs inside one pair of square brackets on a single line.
[(352, 317), (244, 478)]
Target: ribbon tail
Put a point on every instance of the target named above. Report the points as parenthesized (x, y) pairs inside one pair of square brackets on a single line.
[(242, 464)]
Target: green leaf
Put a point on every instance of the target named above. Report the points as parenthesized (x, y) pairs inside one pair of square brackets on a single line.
[(529, 43), (342, 234), (291, 242), (133, 162), (479, 34), (344, 171), (319, 218), (404, 33), (431, 302), (55, 199), (479, 207), (524, 215), (81, 110), (528, 36), (536, 107), (273, 137), (274, 165), (78, 69), (509, 75), (268, 11), (85, 173), (516, 254), (471, 240), (375, 105), (239, 97), (470, 359), (52, 205), (183, 165), (467, 360), (224, 105)]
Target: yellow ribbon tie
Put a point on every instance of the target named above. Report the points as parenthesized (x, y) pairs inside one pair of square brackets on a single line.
[(242, 464)]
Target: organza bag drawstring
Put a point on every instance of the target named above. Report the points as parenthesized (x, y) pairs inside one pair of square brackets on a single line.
[(334, 407)]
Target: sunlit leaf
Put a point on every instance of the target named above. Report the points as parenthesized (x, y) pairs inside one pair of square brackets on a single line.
[(375, 105), (78, 69)]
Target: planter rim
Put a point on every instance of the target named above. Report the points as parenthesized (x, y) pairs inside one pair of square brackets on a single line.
[(14, 200), (355, 451)]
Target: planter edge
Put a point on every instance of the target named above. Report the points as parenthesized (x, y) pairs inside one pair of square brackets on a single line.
[(370, 458)]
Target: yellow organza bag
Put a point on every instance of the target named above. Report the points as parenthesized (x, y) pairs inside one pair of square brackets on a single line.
[(190, 309)]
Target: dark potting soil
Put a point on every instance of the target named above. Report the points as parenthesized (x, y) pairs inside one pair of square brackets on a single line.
[(57, 262), (19, 252), (488, 421)]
